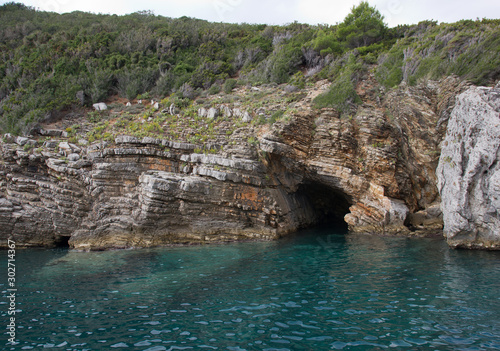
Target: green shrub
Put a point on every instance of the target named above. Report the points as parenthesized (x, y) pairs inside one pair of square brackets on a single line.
[(342, 93), (96, 82), (389, 71), (164, 84), (95, 116), (298, 80), (214, 89), (253, 141), (209, 72), (134, 81), (327, 43), (276, 116), (370, 59), (284, 62), (153, 127), (144, 96), (229, 85)]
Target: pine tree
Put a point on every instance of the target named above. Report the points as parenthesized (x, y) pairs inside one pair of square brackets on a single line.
[(362, 27)]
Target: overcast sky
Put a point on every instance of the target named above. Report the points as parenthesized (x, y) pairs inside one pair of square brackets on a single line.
[(283, 11)]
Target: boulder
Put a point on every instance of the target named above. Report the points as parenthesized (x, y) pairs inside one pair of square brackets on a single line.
[(202, 112), (100, 106), (51, 132), (429, 218), (9, 138), (21, 141), (237, 112), (469, 171), (212, 113), (246, 117), (32, 143), (50, 144), (226, 111), (64, 146), (68, 148), (73, 157), (127, 139)]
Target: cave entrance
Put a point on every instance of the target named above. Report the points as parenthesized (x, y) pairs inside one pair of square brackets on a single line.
[(62, 242), (328, 204)]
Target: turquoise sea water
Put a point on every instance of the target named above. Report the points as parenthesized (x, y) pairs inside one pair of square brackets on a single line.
[(318, 290)]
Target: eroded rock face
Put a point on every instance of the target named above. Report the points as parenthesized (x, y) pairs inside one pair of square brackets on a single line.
[(134, 193), (381, 160), (469, 171), (374, 170)]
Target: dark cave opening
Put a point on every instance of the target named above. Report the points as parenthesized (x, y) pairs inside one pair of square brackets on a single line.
[(329, 206), (62, 242)]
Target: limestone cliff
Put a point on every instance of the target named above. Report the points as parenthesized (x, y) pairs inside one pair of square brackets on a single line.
[(375, 169), (469, 171)]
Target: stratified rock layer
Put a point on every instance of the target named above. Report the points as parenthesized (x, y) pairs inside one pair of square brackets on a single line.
[(373, 169), (469, 171)]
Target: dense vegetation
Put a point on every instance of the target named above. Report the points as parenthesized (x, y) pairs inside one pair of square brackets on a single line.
[(50, 62)]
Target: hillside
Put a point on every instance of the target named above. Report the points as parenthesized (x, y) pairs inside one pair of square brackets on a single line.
[(210, 132), (54, 66)]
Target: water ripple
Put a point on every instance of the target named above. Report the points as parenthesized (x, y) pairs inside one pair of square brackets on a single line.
[(317, 291)]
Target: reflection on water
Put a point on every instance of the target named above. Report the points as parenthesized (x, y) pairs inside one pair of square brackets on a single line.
[(319, 290)]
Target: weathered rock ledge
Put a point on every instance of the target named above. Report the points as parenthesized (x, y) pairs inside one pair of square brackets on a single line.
[(374, 170)]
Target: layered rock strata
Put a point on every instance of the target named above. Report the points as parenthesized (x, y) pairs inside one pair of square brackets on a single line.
[(140, 193), (375, 170)]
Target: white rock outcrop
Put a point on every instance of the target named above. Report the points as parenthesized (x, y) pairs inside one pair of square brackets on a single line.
[(469, 171), (100, 106), (173, 110), (246, 117), (212, 113), (202, 112), (226, 111)]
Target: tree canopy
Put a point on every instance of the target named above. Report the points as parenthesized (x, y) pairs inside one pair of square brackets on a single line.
[(362, 27)]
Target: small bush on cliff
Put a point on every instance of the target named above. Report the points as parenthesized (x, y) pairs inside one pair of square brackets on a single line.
[(389, 71), (327, 43), (229, 85), (342, 93)]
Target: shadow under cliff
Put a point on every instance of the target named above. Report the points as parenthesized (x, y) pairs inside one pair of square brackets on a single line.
[(329, 206)]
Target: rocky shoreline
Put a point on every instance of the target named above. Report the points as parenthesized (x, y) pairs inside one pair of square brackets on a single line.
[(381, 170)]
